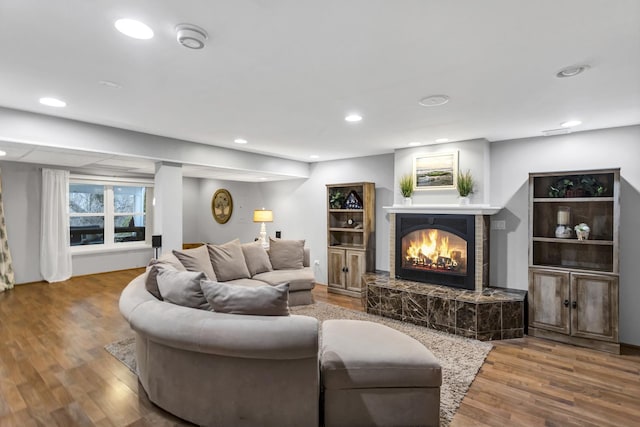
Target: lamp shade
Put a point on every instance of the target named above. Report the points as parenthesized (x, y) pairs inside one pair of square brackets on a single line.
[(262, 215)]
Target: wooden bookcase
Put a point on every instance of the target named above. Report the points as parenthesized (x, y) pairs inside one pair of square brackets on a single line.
[(573, 284), (350, 236)]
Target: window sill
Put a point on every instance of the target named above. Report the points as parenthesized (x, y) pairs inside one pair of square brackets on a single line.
[(89, 250)]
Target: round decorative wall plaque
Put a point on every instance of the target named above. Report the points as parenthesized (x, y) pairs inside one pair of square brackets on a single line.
[(221, 206)]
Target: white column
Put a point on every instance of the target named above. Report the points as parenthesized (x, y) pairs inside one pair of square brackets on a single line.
[(167, 214)]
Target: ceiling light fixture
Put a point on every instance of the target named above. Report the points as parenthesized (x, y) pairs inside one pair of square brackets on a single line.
[(191, 36), (570, 123), (414, 144), (134, 29), (314, 156), (441, 140), (3, 153), (52, 102), (434, 100), (240, 141), (353, 118), (571, 71)]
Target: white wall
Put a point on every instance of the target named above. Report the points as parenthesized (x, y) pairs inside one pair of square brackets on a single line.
[(246, 197), (511, 162), (299, 207), (21, 194), (473, 155)]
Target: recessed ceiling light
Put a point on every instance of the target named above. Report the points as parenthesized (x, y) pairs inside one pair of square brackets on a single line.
[(240, 141), (262, 178), (440, 140), (414, 144), (134, 29), (110, 84), (571, 71), (434, 100), (314, 156), (3, 153), (52, 102), (571, 123), (353, 118)]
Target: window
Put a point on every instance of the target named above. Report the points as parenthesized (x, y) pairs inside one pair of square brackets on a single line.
[(109, 214)]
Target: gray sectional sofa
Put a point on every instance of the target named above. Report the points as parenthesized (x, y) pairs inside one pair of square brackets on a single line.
[(218, 369)]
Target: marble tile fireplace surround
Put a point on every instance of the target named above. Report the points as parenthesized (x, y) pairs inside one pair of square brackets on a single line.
[(450, 291)]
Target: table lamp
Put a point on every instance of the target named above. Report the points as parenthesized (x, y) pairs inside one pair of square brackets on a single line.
[(263, 215)]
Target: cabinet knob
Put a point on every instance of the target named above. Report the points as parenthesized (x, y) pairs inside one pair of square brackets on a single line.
[(566, 303), (574, 304)]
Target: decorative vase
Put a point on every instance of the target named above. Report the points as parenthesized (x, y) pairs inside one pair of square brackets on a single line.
[(582, 234), (408, 201), (563, 231), (464, 200)]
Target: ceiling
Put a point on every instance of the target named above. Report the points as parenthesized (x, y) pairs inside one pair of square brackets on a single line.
[(283, 74)]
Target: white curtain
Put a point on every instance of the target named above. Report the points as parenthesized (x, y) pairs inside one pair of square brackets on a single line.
[(55, 255), (7, 279)]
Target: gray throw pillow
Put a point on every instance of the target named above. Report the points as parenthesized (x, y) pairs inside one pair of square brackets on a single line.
[(197, 259), (228, 261), (151, 281), (256, 257), (182, 288), (286, 254), (261, 301)]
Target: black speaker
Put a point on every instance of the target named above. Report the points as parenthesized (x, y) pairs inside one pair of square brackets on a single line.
[(278, 234), (156, 241)]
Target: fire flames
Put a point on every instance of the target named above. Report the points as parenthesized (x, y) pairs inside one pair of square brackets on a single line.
[(435, 250)]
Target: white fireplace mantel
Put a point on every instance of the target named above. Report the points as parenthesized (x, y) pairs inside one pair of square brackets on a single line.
[(444, 209)]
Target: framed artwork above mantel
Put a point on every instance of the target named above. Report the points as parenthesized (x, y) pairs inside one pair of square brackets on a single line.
[(437, 171)]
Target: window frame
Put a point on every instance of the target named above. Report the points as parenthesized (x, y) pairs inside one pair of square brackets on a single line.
[(110, 214)]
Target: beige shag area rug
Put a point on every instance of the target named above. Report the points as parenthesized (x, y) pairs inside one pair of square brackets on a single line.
[(460, 358)]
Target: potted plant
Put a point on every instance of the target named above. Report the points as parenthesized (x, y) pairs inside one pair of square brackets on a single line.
[(406, 188), (465, 186)]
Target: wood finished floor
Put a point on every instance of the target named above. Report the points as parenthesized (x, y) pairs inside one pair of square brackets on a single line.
[(54, 369)]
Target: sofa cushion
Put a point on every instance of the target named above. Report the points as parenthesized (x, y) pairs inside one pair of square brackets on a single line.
[(262, 300), (286, 254), (228, 261), (251, 283), (299, 280), (151, 280), (256, 257), (182, 288), (196, 259)]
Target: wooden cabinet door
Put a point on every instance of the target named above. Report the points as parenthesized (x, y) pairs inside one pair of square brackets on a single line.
[(549, 303), (337, 264), (594, 302), (356, 266)]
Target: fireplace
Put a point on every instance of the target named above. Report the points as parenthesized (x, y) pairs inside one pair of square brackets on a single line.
[(441, 249)]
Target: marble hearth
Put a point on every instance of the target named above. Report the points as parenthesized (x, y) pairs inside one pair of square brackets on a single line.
[(490, 314)]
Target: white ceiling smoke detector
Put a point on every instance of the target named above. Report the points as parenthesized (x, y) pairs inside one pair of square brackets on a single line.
[(572, 71), (191, 36), (434, 100)]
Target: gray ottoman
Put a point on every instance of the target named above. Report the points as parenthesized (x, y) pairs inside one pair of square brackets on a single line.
[(373, 375)]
